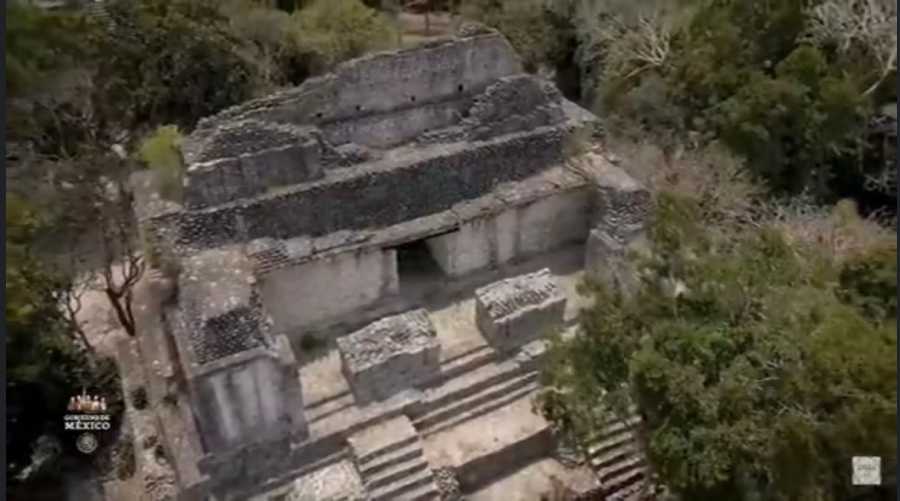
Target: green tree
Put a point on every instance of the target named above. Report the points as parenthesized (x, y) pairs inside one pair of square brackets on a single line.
[(780, 83), (46, 363), (279, 56), (738, 352), (337, 30), (161, 62), (538, 33), (38, 44)]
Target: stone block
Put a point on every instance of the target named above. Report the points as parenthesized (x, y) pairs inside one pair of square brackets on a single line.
[(622, 204), (390, 355), (513, 312)]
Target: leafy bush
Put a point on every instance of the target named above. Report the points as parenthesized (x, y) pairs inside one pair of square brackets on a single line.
[(160, 152), (337, 30), (869, 280), (38, 44), (161, 61), (736, 350), (277, 54), (527, 24)]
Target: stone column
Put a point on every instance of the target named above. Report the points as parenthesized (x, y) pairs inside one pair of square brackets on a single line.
[(617, 229), (253, 397)]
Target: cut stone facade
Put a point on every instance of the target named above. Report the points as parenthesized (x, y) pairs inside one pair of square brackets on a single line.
[(513, 312), (390, 355)]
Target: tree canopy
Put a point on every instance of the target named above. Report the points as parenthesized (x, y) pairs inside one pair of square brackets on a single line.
[(761, 364)]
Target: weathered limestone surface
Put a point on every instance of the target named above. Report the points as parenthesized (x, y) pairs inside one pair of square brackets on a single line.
[(246, 158), (622, 204), (242, 379), (296, 299), (368, 100), (618, 230), (523, 230), (219, 305), (390, 355), (255, 397), (515, 311)]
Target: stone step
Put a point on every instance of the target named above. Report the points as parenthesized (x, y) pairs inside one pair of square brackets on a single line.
[(610, 474), (427, 492), (386, 449), (379, 463), (483, 409), (328, 407), (382, 438), (465, 385), (612, 455), (466, 362), (633, 492), (627, 486), (488, 394), (614, 435), (396, 473), (413, 487)]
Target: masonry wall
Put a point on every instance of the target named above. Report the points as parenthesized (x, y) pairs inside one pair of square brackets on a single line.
[(383, 83), (323, 290), (533, 228), (253, 400), (376, 198)]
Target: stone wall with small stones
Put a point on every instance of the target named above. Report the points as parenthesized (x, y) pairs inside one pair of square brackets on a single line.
[(415, 187), (379, 83), (246, 158)]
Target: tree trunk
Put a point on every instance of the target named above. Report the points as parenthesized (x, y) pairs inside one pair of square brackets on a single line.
[(123, 313)]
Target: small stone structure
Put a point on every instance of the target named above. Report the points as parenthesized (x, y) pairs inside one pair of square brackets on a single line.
[(617, 231), (515, 311), (390, 355)]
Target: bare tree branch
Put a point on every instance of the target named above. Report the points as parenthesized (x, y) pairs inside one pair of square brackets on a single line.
[(634, 49), (869, 25)]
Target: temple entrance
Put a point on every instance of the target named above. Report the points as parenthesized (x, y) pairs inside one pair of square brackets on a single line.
[(418, 270)]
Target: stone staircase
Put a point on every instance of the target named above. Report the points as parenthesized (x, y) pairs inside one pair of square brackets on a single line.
[(617, 457), (469, 360), (391, 464), (472, 394)]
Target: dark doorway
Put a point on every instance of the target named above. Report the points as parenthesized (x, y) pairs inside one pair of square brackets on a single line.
[(417, 270)]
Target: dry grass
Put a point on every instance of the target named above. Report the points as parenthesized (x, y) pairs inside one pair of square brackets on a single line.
[(711, 175), (840, 230)]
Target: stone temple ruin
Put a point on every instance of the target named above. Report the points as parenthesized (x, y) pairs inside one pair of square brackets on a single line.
[(423, 215)]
